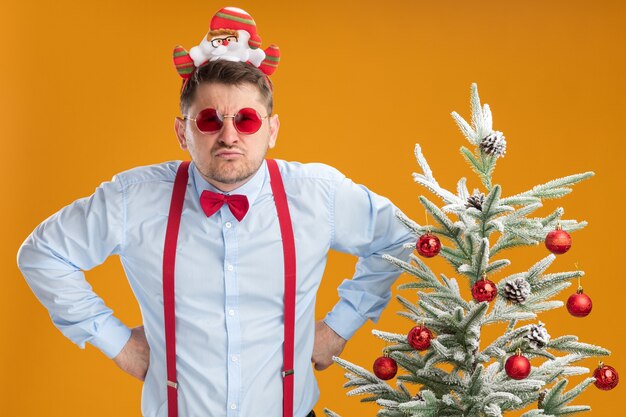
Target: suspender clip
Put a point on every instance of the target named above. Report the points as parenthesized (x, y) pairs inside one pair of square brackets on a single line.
[(287, 373), (172, 384)]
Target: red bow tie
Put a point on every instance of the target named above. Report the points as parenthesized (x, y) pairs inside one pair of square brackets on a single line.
[(212, 202)]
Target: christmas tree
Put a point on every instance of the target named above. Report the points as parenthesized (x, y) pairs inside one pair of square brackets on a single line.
[(453, 372)]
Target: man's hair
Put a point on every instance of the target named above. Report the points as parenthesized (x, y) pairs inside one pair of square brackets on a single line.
[(227, 73)]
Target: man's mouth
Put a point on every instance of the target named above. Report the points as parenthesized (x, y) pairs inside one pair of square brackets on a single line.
[(228, 154)]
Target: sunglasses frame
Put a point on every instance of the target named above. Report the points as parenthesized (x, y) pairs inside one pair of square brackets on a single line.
[(224, 116)]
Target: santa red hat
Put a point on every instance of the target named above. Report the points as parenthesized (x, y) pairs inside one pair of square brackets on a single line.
[(236, 19)]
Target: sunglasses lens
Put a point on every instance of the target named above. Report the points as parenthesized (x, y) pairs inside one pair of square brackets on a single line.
[(209, 121), (248, 121)]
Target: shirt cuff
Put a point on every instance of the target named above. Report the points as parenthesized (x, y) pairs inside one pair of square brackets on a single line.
[(344, 319), (112, 337)]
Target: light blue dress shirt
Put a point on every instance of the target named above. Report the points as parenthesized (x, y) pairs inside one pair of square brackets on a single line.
[(229, 279)]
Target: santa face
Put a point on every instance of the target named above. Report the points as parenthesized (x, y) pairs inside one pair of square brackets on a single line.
[(230, 47), (227, 44)]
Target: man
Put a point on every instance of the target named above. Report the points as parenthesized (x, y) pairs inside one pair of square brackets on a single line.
[(229, 263)]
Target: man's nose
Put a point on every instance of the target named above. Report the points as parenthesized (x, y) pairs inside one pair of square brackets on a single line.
[(225, 42), (228, 134)]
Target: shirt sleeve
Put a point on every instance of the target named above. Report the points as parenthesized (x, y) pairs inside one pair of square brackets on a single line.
[(52, 259), (365, 225)]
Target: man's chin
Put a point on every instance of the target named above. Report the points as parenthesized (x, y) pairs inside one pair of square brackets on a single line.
[(230, 172), (230, 180), (230, 176)]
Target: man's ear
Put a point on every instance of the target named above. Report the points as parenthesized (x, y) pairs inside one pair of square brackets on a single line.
[(179, 128), (274, 126)]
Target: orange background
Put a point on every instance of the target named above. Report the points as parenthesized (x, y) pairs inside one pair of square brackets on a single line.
[(89, 90)]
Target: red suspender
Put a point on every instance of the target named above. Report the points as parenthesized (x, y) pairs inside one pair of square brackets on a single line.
[(169, 258), (289, 252)]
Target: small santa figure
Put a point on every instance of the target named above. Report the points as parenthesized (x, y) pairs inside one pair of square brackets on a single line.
[(232, 36)]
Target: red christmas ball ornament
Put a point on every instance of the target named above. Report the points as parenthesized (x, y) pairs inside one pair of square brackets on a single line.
[(517, 366), (484, 290), (558, 241), (428, 245), (385, 367), (579, 304), (419, 337), (606, 377)]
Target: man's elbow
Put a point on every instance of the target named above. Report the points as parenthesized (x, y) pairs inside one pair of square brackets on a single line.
[(26, 255), (22, 256)]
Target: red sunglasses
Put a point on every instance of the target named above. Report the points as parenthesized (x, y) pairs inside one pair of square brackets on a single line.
[(246, 120)]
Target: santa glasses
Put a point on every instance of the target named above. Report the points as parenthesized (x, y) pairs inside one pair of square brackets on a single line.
[(215, 42), (247, 120)]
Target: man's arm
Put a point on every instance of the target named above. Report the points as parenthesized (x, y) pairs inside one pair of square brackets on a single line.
[(364, 225), (327, 344), (134, 358), (52, 259)]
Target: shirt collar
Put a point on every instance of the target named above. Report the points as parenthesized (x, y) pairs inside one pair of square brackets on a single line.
[(251, 189)]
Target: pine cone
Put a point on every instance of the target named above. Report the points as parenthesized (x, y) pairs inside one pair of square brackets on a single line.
[(517, 290), (537, 336), (494, 144), (476, 200), (418, 397), (542, 395)]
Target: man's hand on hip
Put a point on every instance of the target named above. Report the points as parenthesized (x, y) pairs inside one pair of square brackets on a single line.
[(135, 356), (327, 344)]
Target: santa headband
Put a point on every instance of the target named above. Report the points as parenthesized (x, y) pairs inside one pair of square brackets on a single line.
[(232, 36)]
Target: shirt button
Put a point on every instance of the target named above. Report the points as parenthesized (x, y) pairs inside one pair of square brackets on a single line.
[(228, 225), (234, 358), (233, 406), (230, 267), (231, 312)]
